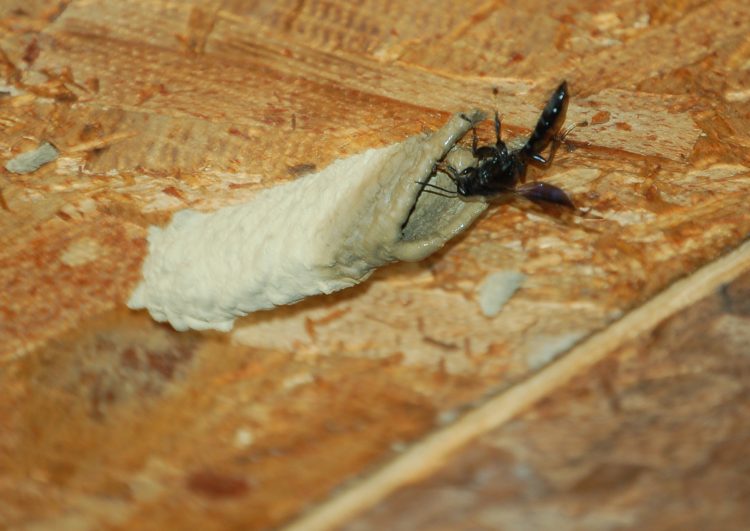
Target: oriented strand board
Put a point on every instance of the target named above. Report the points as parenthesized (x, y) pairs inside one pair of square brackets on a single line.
[(110, 420), (652, 437)]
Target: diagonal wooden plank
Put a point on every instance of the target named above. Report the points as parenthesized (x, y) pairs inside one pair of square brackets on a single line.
[(652, 437), (432, 452)]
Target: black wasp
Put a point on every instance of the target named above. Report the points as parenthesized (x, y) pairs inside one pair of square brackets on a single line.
[(499, 170)]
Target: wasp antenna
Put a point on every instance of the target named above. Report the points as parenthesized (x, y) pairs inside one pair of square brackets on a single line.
[(426, 184)]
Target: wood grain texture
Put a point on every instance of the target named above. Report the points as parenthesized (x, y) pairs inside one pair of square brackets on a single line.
[(652, 437), (426, 461), (111, 421)]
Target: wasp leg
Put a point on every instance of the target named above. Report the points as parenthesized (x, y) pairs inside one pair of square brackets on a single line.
[(473, 134), (447, 169), (498, 141), (448, 193), (474, 150), (543, 192), (562, 137), (556, 141), (540, 159)]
